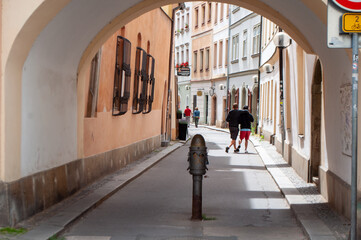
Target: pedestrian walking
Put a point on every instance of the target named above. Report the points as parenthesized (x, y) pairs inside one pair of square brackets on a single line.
[(245, 120), (187, 114), (196, 115), (233, 122)]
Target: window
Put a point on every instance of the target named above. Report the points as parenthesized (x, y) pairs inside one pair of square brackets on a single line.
[(221, 12), (187, 55), (227, 9), (183, 22), (93, 86), (140, 81), (215, 13), (195, 59), (209, 12), (244, 55), (149, 88), (182, 56), (178, 24), (203, 14), (187, 20), (201, 60), (196, 17), (235, 47), (121, 90), (215, 55), (220, 53), (256, 39), (207, 59), (226, 58), (177, 60)]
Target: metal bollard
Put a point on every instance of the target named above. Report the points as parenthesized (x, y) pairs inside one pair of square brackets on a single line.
[(198, 159)]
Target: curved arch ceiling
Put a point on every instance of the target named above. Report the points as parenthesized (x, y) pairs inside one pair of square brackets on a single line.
[(69, 41)]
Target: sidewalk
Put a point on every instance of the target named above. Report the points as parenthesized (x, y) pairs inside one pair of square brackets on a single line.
[(311, 209), (317, 220)]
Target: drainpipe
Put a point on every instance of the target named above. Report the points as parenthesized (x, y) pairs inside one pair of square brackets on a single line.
[(228, 60), (259, 74), (168, 114)]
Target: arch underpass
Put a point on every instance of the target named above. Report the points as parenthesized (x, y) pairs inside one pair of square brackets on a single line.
[(44, 70)]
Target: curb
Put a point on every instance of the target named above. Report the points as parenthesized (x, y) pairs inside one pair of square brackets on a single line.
[(71, 213), (314, 227)]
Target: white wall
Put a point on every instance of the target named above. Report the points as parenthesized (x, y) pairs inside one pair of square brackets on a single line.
[(49, 95)]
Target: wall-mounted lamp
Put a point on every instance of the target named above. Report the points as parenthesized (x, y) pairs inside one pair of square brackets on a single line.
[(268, 68), (255, 79), (221, 87), (188, 87), (282, 40), (211, 91)]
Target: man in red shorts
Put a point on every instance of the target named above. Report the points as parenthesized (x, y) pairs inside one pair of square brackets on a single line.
[(245, 120)]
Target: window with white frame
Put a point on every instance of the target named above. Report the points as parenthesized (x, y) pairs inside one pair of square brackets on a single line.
[(209, 12), (220, 62), (182, 56), (244, 54), (196, 13), (207, 59), (187, 55), (195, 60), (215, 55), (256, 39), (221, 12), (178, 62), (215, 13), (201, 58), (203, 14), (235, 47)]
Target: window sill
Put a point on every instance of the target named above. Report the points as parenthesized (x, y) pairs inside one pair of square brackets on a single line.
[(234, 61), (255, 55), (301, 136), (244, 58), (235, 10)]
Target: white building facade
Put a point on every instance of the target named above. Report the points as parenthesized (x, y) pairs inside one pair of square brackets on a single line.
[(245, 33), (183, 52)]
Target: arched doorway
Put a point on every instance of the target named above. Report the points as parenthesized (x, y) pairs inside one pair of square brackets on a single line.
[(316, 123)]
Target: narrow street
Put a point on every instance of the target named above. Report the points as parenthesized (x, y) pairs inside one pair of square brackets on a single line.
[(240, 198)]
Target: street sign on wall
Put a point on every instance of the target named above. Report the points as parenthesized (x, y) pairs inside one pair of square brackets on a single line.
[(351, 22), (336, 38), (349, 5), (183, 71)]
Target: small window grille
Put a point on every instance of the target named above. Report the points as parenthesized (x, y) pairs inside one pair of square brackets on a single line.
[(140, 81), (122, 76), (150, 84)]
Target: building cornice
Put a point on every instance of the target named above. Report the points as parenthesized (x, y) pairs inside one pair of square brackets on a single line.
[(246, 18), (244, 73)]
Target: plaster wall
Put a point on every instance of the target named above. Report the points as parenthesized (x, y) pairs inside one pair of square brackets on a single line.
[(106, 132), (304, 20), (220, 70)]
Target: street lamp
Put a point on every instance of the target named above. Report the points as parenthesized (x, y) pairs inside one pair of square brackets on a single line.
[(282, 40)]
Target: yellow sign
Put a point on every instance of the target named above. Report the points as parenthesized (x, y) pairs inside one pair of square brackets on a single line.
[(351, 22), (199, 93)]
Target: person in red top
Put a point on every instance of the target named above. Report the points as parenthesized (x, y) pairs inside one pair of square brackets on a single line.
[(187, 113)]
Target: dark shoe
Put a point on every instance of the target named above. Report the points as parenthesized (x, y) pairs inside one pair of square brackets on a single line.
[(227, 148), (239, 147), (236, 150)]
